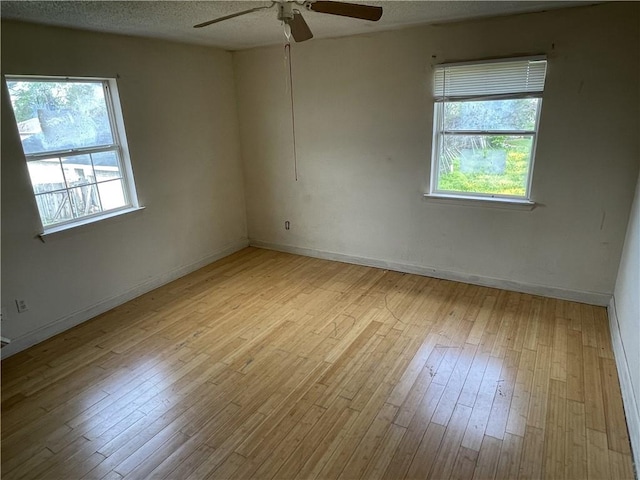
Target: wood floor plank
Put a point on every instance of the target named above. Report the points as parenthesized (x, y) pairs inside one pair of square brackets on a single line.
[(559, 350), (356, 433), (228, 468), (532, 460), (534, 324), (179, 455), (593, 390), (603, 336), (419, 388), (488, 458), (465, 464), (499, 415), (482, 407), (371, 366), (576, 441), (406, 451), (183, 467), (454, 385), (278, 455), (547, 322), (474, 378), (359, 460), (588, 326), (219, 452), (540, 388), (572, 313), (554, 441), (620, 466), (426, 454), (519, 408), (522, 318), (271, 365), (385, 374), (481, 320), (617, 435), (575, 366), (403, 387), (510, 455), (508, 325), (597, 455), (312, 442), (58, 460), (282, 420), (448, 451), (384, 453), (328, 446), (35, 459)]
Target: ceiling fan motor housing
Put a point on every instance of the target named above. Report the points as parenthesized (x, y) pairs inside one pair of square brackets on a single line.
[(285, 11)]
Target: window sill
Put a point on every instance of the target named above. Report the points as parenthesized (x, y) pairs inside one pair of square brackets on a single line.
[(508, 203), (56, 230)]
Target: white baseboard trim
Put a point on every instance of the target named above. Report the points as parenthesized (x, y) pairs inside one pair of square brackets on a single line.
[(76, 318), (629, 400), (592, 298)]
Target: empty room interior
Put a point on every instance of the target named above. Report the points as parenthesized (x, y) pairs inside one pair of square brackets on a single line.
[(320, 240)]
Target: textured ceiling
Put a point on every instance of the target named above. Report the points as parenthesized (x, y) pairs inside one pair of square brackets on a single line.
[(174, 20)]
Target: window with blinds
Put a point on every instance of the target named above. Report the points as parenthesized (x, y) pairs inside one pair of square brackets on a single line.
[(486, 117)]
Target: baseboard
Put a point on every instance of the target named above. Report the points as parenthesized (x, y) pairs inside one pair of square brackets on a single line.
[(592, 298), (76, 318), (629, 399)]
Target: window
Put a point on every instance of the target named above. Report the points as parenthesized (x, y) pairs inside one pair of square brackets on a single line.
[(74, 143), (486, 118)]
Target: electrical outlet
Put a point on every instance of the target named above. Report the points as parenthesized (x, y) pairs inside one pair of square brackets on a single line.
[(3, 314), (22, 305)]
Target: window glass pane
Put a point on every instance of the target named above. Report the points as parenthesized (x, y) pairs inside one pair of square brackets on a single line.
[(517, 114), (78, 170), (54, 207), (85, 200), (112, 194), (54, 115), (46, 175), (106, 166), (486, 164)]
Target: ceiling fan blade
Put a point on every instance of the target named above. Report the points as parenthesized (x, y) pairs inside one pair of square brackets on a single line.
[(299, 28), (353, 10), (233, 15)]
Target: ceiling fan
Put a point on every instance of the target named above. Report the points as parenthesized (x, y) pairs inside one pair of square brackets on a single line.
[(291, 16)]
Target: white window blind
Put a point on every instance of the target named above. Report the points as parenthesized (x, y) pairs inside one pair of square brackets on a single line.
[(490, 80)]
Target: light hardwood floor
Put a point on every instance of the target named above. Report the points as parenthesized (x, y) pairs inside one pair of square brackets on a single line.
[(269, 365)]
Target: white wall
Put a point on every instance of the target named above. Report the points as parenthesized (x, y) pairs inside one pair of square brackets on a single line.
[(179, 106), (363, 113), (624, 313)]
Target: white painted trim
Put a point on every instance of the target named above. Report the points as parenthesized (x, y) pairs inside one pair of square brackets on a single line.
[(67, 227), (76, 318), (476, 201), (629, 400), (592, 298)]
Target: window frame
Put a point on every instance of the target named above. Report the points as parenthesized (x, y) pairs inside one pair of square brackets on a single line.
[(119, 146), (439, 133)]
